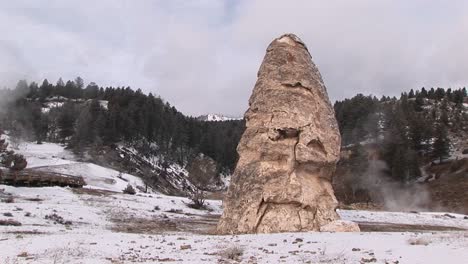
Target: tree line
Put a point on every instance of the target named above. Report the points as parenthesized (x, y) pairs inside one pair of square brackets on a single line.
[(408, 130), (85, 117)]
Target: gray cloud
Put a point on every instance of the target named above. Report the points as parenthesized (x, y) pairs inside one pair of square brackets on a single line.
[(202, 56)]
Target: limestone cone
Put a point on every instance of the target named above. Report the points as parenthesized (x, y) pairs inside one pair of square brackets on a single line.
[(288, 152)]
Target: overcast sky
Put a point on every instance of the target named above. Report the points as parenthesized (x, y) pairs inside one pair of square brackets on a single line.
[(203, 56)]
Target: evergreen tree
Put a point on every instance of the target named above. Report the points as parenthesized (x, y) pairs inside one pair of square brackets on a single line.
[(444, 113), (79, 82), (419, 103), (66, 121), (439, 94), (441, 146), (22, 89), (423, 92)]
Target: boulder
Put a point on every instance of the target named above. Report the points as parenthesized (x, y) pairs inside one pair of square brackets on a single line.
[(289, 150)]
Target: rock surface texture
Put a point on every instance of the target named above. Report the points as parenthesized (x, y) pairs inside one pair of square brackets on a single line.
[(288, 152)]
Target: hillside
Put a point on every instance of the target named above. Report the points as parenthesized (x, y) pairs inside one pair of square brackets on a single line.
[(405, 154), (140, 134), (119, 128)]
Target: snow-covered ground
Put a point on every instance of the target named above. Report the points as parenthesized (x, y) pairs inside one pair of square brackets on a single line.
[(100, 224), (98, 177), (119, 228), (55, 158), (45, 154)]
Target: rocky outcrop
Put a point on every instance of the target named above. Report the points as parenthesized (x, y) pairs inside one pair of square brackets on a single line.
[(288, 152)]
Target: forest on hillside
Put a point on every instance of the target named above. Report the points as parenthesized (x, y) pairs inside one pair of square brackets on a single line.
[(408, 130), (89, 117)]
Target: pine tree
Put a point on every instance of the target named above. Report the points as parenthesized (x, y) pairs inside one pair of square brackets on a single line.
[(439, 94), (419, 103), (22, 89), (66, 121), (444, 117), (441, 145), (79, 82), (423, 92)]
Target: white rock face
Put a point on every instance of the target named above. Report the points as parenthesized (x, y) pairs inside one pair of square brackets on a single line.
[(288, 152)]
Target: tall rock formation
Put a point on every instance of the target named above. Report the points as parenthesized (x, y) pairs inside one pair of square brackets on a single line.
[(288, 152)]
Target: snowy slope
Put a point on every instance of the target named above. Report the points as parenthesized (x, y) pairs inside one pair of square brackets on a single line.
[(45, 154), (53, 157), (98, 177)]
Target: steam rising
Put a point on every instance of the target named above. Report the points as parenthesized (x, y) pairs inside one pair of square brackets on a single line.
[(394, 195)]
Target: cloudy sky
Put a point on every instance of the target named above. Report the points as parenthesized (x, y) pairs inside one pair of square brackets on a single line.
[(203, 56)]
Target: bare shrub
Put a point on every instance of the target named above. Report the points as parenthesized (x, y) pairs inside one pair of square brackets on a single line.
[(420, 241), (324, 257), (202, 172), (232, 253), (129, 190), (57, 219), (198, 199)]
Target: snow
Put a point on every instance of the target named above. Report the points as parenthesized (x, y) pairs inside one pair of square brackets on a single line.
[(104, 104), (45, 154), (53, 157), (418, 218), (177, 174), (50, 105), (56, 98), (92, 237), (111, 227), (98, 177)]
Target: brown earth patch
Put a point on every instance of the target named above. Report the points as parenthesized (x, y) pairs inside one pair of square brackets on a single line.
[(390, 227), (159, 225)]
